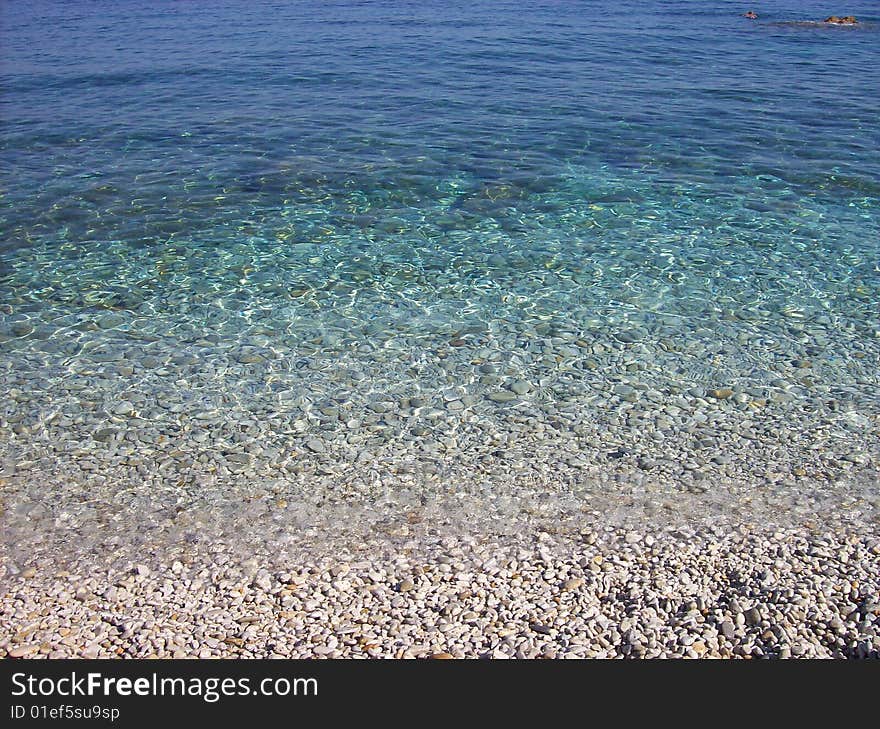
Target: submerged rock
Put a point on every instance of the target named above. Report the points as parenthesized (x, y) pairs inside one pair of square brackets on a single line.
[(845, 20)]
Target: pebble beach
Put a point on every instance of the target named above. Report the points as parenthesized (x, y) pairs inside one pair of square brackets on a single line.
[(643, 518), (430, 348), (609, 593)]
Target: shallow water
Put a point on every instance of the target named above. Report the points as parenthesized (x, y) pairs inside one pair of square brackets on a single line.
[(294, 251)]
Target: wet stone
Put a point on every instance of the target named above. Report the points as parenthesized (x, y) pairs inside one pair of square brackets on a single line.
[(22, 328), (124, 408), (239, 458), (110, 321), (502, 396), (629, 336), (249, 357)]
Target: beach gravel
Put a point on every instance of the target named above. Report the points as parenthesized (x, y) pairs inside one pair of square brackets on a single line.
[(684, 593)]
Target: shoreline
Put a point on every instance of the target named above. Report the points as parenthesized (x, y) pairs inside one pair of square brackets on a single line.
[(601, 591), (612, 565)]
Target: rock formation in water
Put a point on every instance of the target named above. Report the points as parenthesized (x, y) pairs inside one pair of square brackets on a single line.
[(837, 20)]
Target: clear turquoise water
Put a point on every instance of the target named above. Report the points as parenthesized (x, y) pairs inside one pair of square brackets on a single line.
[(344, 188)]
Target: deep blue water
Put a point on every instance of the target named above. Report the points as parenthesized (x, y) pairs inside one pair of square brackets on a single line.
[(347, 187), (185, 114)]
